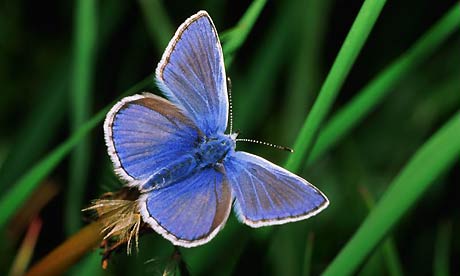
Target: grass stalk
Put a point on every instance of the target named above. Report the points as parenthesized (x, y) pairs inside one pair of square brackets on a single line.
[(240, 32), (388, 248), (373, 93), (41, 124), (442, 248), (158, 23), (431, 160), (357, 36), (69, 252), (308, 254), (84, 53), (26, 185)]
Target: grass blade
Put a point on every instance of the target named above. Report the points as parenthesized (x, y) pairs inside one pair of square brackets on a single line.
[(68, 253), (239, 34), (158, 23), (349, 116), (388, 250), (347, 55), (442, 248), (308, 254), (391, 258), (41, 124), (305, 77), (271, 56), (26, 185), (431, 160), (84, 53)]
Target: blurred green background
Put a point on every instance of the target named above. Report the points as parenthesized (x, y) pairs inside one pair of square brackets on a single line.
[(62, 62)]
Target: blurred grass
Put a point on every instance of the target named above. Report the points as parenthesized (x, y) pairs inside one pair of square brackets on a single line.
[(285, 47), (308, 254), (373, 93), (21, 190), (41, 123), (430, 161), (304, 78), (347, 55), (85, 44), (261, 73), (240, 32), (388, 248), (158, 23), (442, 247)]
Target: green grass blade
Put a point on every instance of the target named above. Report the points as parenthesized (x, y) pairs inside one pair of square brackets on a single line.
[(391, 258), (159, 25), (442, 248), (84, 54), (270, 57), (304, 79), (42, 123), (239, 34), (431, 160), (388, 250), (25, 186), (349, 116), (308, 254), (89, 265), (347, 55)]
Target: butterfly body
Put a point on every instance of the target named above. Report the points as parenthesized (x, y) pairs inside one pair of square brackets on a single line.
[(177, 154), (172, 173), (213, 150), (210, 152)]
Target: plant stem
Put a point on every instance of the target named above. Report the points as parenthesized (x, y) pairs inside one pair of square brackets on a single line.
[(68, 253)]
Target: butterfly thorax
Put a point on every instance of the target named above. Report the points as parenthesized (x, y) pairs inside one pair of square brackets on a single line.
[(210, 152)]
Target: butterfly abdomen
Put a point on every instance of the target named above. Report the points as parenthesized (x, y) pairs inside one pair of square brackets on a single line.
[(209, 152), (183, 167)]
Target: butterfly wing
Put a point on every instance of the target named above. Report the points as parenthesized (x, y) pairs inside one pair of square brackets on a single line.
[(267, 194), (190, 212), (192, 73), (145, 133)]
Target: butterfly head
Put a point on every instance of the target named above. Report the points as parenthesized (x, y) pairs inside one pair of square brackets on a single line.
[(233, 136)]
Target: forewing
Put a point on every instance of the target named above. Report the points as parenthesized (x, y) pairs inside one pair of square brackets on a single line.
[(192, 73), (145, 133), (190, 212), (267, 194)]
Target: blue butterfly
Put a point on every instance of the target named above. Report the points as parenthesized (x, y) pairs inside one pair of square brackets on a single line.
[(177, 154)]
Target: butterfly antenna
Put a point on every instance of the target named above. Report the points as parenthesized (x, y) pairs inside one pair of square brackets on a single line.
[(266, 144), (230, 108)]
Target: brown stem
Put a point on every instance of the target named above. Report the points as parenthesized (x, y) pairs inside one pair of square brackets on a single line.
[(69, 252)]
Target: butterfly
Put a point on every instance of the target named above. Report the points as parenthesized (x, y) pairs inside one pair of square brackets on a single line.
[(176, 152)]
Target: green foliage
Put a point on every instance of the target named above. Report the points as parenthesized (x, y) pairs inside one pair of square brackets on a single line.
[(347, 55), (385, 119), (80, 103), (436, 156)]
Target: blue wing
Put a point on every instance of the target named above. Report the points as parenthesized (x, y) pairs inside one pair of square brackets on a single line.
[(267, 194), (190, 212), (192, 73), (145, 133)]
